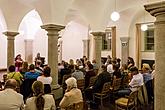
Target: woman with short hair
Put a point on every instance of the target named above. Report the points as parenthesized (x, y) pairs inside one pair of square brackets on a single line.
[(72, 94)]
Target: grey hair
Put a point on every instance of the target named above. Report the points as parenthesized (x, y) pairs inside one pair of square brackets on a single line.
[(72, 82)]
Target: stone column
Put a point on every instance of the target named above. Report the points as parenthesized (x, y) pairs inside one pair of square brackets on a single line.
[(124, 49), (60, 50), (10, 46), (53, 34), (86, 47), (97, 46), (29, 50), (158, 10), (114, 42)]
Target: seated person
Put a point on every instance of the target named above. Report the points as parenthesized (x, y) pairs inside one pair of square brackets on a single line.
[(31, 74), (40, 101), (72, 94), (102, 78), (14, 75), (89, 73), (77, 73), (46, 79), (135, 82), (9, 98)]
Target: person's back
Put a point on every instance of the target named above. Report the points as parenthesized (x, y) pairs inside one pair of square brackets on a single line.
[(31, 74), (48, 105), (101, 80), (9, 98), (72, 94), (40, 101)]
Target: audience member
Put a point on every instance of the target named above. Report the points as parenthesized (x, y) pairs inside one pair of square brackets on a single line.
[(24, 68), (31, 74), (89, 74), (40, 101), (72, 94), (46, 79), (9, 98), (77, 73), (101, 79), (14, 75), (136, 82), (116, 72)]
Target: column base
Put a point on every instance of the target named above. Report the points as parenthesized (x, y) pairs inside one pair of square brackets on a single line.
[(57, 90)]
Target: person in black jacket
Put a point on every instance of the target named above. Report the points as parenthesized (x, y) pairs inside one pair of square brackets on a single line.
[(102, 78)]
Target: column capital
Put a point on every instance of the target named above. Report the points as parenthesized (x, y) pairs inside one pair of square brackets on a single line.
[(52, 27), (156, 9), (124, 39), (10, 33), (98, 33)]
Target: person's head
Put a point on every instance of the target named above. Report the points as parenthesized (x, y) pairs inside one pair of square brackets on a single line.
[(90, 66), (11, 83), (130, 60), (18, 56), (76, 67), (116, 67), (104, 68), (146, 67), (31, 67), (38, 55), (71, 83), (47, 71), (71, 62), (94, 61), (11, 68), (38, 90), (134, 70), (25, 65)]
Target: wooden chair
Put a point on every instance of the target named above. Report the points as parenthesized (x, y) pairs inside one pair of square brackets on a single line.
[(116, 84), (104, 93), (81, 84), (92, 81), (76, 106), (127, 103)]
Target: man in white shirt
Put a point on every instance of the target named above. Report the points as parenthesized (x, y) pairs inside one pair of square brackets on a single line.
[(9, 98), (135, 82)]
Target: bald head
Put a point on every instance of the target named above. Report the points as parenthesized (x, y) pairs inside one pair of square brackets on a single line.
[(11, 83)]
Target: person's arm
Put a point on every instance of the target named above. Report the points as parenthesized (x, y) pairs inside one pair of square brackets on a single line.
[(65, 101)]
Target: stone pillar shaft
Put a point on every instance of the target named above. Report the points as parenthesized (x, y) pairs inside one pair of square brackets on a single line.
[(97, 46), (29, 50), (53, 30), (125, 49), (10, 46), (158, 10), (114, 42), (86, 48)]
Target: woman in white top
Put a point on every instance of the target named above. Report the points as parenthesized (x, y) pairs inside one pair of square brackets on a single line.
[(40, 101), (45, 78)]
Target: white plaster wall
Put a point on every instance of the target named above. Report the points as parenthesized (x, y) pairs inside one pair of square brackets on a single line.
[(72, 41), (40, 44), (106, 53), (139, 18), (3, 42)]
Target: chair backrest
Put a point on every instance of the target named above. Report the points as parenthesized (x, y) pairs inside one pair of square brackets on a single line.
[(106, 87), (132, 97), (81, 84), (76, 106), (92, 80), (116, 84), (47, 88)]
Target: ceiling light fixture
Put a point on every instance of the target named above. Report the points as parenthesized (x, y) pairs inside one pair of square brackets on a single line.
[(115, 15)]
